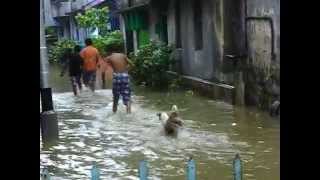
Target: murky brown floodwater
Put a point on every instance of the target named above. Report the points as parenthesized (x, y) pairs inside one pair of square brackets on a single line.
[(89, 131)]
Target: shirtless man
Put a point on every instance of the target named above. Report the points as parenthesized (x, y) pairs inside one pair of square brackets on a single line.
[(121, 82)]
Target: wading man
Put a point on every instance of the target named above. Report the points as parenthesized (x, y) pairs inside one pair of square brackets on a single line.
[(90, 56), (121, 81), (74, 63)]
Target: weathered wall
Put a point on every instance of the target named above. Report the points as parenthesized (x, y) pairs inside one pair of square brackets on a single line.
[(198, 63), (205, 63), (229, 28), (262, 77), (125, 3), (48, 20), (73, 28), (152, 22), (171, 23)]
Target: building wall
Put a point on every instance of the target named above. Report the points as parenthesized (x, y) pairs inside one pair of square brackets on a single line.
[(125, 3), (153, 18), (73, 28), (48, 19), (226, 30), (229, 28), (171, 23), (263, 75), (63, 14), (198, 63), (203, 63)]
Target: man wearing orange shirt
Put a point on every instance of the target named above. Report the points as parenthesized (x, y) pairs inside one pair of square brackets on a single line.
[(90, 56)]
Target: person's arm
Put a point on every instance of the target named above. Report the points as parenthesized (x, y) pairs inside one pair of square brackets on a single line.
[(81, 62), (130, 64), (82, 53), (97, 57)]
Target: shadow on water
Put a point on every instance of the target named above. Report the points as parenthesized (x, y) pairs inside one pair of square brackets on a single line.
[(214, 132)]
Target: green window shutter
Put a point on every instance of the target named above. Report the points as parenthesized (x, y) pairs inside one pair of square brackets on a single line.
[(136, 20)]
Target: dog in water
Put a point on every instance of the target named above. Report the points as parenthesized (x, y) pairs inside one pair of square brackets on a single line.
[(171, 122)]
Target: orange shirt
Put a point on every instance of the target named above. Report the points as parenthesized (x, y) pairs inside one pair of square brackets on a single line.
[(90, 56)]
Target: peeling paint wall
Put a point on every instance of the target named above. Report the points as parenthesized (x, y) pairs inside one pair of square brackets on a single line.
[(262, 77), (197, 63)]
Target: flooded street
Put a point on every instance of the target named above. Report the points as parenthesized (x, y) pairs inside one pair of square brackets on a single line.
[(213, 133)]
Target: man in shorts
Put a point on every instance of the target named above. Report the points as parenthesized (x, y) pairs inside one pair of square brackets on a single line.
[(121, 81), (90, 56)]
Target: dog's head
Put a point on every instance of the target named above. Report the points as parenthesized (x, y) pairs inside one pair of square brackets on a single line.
[(173, 115), (163, 116)]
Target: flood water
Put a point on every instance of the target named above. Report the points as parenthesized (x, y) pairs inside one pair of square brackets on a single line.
[(214, 132)]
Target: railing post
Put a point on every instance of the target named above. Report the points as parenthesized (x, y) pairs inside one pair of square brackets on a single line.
[(191, 170), (237, 168), (45, 174), (95, 174), (143, 170)]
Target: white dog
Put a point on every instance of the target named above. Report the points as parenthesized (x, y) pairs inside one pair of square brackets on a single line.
[(171, 123)]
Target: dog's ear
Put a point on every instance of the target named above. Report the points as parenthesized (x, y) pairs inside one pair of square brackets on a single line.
[(174, 108)]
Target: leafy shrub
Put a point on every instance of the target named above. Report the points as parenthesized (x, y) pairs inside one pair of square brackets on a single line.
[(112, 40), (151, 63), (58, 49)]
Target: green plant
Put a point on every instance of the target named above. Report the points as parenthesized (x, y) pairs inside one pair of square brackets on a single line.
[(112, 40), (57, 50), (151, 63), (94, 18)]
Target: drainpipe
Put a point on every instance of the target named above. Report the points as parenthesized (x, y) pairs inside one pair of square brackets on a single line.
[(48, 118)]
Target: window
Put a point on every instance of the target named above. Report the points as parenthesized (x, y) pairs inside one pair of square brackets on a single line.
[(178, 25), (197, 19)]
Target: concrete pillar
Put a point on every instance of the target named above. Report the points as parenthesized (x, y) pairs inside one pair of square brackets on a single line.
[(48, 118), (239, 87), (49, 127), (135, 41), (123, 30)]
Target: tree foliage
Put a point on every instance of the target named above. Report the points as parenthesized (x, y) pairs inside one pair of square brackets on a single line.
[(94, 18)]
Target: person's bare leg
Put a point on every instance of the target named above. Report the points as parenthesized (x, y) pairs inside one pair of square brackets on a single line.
[(128, 107), (115, 105)]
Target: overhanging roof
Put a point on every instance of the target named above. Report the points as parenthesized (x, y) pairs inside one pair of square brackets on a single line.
[(142, 5)]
